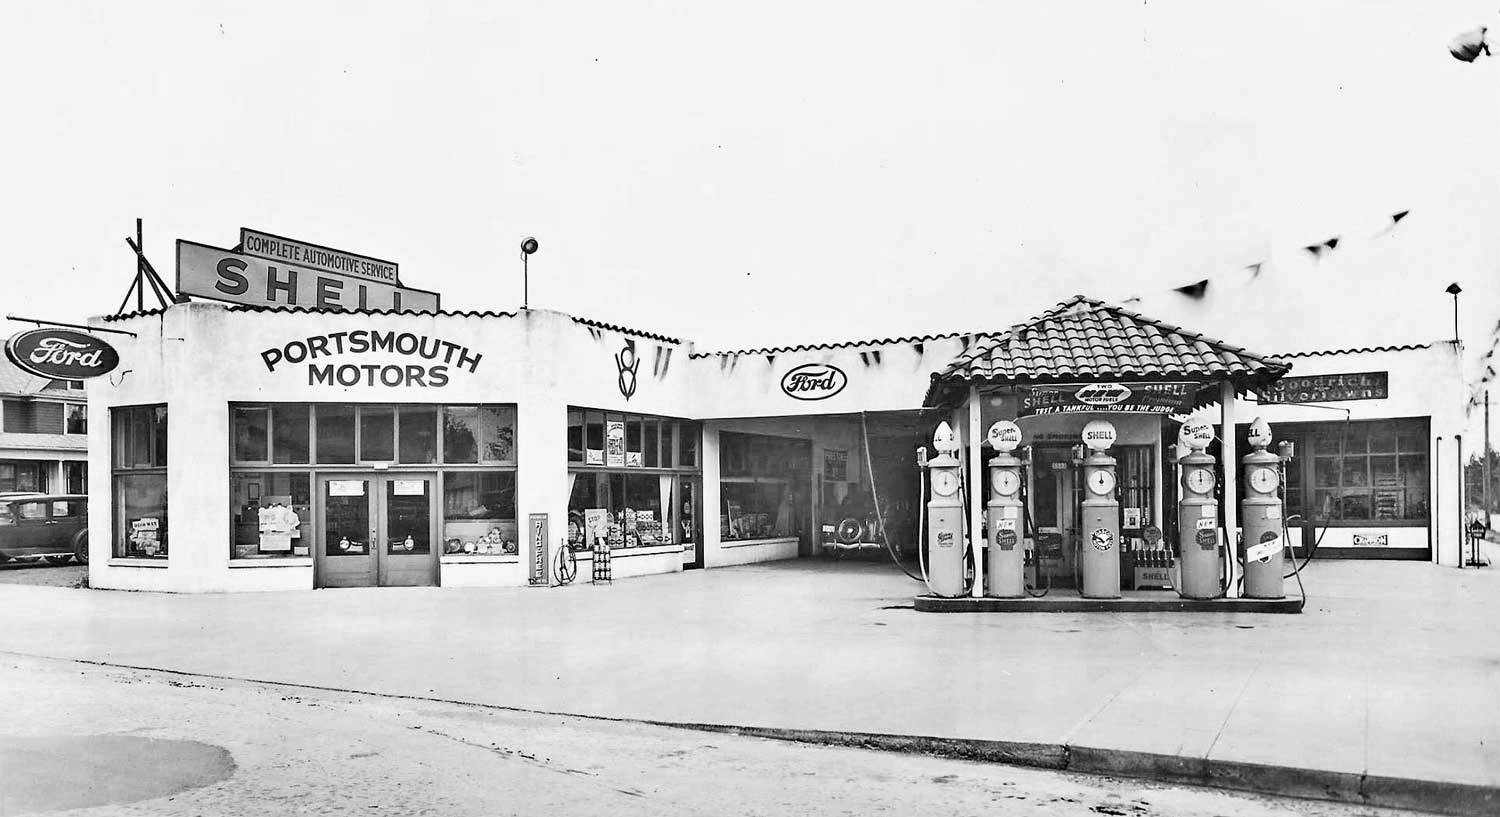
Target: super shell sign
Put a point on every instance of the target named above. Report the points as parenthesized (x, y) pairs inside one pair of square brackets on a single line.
[(1122, 398)]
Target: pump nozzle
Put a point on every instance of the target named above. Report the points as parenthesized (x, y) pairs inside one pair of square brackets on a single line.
[(921, 456)]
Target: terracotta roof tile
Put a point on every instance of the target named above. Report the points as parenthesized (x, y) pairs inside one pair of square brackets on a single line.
[(1087, 338)]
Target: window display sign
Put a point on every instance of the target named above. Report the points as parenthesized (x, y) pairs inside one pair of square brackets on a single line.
[(835, 465), (1329, 388), (312, 256), (410, 487), (346, 487), (1123, 398), (614, 444), (224, 275), (278, 524)]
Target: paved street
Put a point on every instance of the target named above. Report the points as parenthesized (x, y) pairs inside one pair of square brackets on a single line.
[(121, 742), (1390, 673)]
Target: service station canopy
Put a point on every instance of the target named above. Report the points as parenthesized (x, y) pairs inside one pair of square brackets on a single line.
[(1087, 355)]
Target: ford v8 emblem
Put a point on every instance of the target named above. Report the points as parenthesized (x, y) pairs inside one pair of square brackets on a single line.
[(814, 381), (61, 354)]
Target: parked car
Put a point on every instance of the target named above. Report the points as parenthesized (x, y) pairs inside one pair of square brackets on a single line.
[(54, 526)]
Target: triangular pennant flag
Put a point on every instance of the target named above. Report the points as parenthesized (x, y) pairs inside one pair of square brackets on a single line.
[(1396, 217), (1255, 269), (1194, 290), (1332, 243)]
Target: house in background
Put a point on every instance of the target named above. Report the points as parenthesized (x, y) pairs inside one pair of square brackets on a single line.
[(43, 433)]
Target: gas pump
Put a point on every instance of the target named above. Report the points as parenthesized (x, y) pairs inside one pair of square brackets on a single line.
[(945, 514), (1260, 514), (1099, 553), (1198, 515), (1007, 557)]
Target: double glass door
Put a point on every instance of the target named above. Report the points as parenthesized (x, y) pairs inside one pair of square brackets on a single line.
[(376, 530)]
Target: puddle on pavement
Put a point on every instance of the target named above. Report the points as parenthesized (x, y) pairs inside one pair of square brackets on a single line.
[(54, 772)]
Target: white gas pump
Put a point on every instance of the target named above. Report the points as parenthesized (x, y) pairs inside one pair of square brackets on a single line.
[(1005, 520), (945, 515), (1198, 515), (1099, 554), (1260, 516)]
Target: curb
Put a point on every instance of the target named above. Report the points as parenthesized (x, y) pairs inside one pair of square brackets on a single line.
[(1462, 799), (1282, 781)]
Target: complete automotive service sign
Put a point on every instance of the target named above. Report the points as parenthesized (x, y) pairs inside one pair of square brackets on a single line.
[(295, 274), (1123, 398)]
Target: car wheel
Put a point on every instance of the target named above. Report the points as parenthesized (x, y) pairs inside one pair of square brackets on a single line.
[(81, 547)]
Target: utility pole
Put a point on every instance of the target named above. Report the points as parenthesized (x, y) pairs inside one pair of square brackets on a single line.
[(1485, 471)]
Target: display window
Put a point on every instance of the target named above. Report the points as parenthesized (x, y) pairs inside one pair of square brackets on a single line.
[(479, 513), (271, 514), (1357, 473), (765, 486), (473, 448), (139, 448), (629, 487)]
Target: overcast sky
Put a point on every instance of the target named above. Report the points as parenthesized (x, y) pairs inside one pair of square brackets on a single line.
[(756, 174)]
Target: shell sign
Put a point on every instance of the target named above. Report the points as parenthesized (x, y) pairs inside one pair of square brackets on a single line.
[(61, 354)]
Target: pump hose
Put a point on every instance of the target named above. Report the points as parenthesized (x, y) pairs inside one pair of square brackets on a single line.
[(864, 428), (1028, 526)]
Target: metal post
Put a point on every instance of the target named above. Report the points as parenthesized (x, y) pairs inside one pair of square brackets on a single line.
[(1458, 440), (975, 495), (525, 282), (1230, 464), (1485, 468)]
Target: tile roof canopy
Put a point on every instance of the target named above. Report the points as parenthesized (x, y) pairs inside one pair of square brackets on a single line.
[(1083, 339)]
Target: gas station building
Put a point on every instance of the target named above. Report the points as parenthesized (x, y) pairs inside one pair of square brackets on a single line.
[(276, 446)]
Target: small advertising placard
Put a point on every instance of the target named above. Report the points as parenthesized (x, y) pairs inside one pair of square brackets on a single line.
[(410, 487), (1124, 398), (346, 487), (614, 444), (835, 465), (1132, 518)]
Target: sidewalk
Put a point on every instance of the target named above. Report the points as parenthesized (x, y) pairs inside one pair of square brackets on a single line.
[(1391, 672)]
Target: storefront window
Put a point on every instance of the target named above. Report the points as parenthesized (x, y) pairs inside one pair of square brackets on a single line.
[(335, 434), (575, 435), (377, 434), (270, 514), (270, 506), (765, 486), (418, 434), (479, 434), (1362, 472), (140, 482), (621, 510), (290, 430), (251, 440), (479, 513)]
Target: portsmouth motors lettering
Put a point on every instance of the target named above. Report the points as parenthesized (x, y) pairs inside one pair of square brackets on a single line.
[(61, 354), (814, 381), (441, 355)]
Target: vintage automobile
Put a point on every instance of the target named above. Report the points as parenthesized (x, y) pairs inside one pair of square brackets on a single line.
[(51, 526)]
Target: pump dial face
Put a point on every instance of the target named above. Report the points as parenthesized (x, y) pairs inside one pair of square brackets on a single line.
[(1200, 480), (1007, 482), (1263, 480), (1102, 482), (945, 483)]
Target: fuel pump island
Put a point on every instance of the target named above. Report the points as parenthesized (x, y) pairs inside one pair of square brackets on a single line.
[(1004, 566)]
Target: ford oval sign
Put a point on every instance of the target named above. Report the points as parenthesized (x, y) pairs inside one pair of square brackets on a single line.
[(61, 354), (814, 381)]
